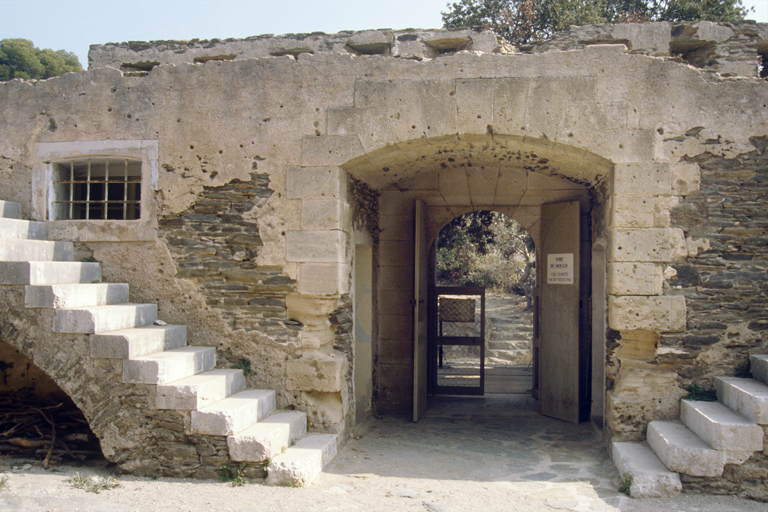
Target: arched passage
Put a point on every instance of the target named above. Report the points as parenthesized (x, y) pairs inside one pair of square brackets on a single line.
[(453, 175), (39, 419), (489, 250)]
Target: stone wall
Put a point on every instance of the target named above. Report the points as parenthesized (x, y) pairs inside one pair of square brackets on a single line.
[(728, 49), (725, 284), (252, 241)]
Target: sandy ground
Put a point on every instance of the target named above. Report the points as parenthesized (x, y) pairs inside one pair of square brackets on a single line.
[(480, 455)]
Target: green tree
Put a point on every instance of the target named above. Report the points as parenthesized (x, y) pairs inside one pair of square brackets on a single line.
[(483, 248), (19, 58), (524, 21)]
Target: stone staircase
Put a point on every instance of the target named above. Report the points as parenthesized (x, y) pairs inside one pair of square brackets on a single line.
[(509, 329), (708, 436), (157, 354)]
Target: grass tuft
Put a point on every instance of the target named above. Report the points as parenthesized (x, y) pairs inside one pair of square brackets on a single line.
[(697, 393), (93, 484), (626, 485), (233, 474)]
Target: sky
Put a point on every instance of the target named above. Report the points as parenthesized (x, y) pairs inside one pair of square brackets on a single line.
[(74, 25)]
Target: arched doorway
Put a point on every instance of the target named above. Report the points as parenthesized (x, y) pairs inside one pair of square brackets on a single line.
[(425, 184), (491, 252)]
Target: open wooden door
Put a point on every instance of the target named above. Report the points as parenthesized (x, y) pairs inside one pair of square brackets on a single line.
[(419, 302), (559, 354)]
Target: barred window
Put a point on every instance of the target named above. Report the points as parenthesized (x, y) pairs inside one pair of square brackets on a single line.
[(95, 188)]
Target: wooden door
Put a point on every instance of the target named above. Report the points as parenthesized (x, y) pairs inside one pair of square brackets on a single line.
[(559, 354)]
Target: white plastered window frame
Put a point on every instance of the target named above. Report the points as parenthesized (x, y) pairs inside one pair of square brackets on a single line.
[(50, 154)]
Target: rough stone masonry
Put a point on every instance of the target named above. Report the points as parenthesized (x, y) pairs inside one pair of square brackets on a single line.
[(268, 164)]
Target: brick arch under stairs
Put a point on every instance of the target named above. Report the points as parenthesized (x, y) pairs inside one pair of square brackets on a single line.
[(150, 352)]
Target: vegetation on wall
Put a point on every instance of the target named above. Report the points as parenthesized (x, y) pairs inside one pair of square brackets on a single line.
[(489, 249), (19, 58), (525, 21)]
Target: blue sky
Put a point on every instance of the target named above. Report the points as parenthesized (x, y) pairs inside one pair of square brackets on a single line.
[(73, 25)]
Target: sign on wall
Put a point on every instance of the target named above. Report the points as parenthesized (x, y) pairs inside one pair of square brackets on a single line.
[(560, 268)]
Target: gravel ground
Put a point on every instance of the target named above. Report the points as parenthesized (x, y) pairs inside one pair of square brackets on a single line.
[(471, 456)]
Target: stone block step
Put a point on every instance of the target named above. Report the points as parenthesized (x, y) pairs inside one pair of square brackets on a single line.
[(301, 463), (10, 210), (49, 272), (233, 414), (36, 250), (197, 391), (745, 396), (650, 479), (168, 366), (759, 366), (139, 341), (22, 229), (509, 345), (721, 428), (75, 295), (269, 437), (98, 319), (682, 451)]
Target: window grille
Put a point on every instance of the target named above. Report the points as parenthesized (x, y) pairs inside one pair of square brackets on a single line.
[(97, 188)]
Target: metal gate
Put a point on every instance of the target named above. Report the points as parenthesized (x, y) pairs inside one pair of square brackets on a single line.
[(457, 340)]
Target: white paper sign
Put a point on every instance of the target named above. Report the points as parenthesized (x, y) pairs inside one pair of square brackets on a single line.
[(560, 268)]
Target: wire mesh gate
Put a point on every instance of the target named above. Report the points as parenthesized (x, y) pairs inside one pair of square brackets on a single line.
[(457, 340)]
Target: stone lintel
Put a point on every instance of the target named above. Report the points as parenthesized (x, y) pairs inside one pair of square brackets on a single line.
[(316, 372), (647, 179), (330, 150), (315, 246), (325, 182), (686, 178), (323, 278), (659, 245), (660, 314), (633, 278)]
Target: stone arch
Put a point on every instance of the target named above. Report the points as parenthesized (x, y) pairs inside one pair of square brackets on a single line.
[(135, 437), (453, 174), (400, 135)]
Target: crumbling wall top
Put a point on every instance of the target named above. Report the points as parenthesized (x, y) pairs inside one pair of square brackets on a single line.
[(414, 44), (729, 49)]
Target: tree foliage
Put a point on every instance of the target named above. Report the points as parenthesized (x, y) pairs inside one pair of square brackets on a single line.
[(524, 21), (19, 58), (483, 248)]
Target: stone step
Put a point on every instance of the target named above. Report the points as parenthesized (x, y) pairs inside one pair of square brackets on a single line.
[(197, 391), (650, 479), (168, 366), (99, 319), (10, 210), (722, 429), (36, 250), (269, 437), (22, 229), (301, 463), (759, 366), (745, 396), (508, 345), (139, 341), (682, 451), (49, 272), (233, 414), (75, 295)]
